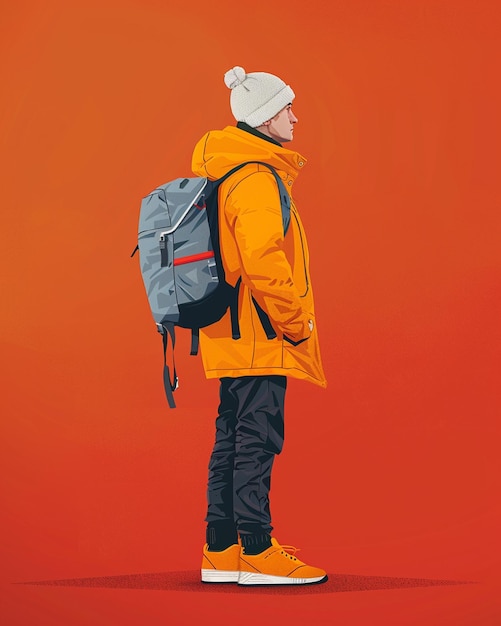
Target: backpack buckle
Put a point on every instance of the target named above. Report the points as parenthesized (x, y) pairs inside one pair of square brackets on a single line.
[(211, 264)]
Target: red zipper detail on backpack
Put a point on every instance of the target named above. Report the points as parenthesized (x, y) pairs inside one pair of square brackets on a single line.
[(194, 257)]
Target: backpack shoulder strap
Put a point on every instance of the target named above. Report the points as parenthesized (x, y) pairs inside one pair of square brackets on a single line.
[(285, 201)]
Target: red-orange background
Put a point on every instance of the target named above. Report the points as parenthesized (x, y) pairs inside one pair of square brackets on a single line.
[(394, 469)]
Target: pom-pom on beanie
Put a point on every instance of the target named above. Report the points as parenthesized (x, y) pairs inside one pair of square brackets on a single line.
[(257, 97)]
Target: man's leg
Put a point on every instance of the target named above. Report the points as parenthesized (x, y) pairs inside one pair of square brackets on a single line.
[(250, 430), (259, 437), (221, 528)]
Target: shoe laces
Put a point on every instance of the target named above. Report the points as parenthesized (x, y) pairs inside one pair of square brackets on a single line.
[(289, 552)]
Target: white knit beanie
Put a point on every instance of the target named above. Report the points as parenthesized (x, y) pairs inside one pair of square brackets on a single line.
[(257, 97)]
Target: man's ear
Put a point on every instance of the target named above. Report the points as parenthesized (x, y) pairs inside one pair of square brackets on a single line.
[(267, 123)]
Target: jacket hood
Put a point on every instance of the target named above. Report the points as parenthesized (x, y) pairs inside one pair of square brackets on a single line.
[(220, 150)]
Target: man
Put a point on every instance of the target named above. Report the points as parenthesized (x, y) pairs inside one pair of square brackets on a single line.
[(274, 274)]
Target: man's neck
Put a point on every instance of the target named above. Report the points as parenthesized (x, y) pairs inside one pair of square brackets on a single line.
[(257, 133)]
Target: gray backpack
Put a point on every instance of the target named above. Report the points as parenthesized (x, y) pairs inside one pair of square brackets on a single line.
[(180, 260)]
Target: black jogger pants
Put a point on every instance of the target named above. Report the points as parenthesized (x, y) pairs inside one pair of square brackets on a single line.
[(249, 433)]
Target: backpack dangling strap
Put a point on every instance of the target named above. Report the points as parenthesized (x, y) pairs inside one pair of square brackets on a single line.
[(265, 321), (169, 385), (235, 324), (195, 340)]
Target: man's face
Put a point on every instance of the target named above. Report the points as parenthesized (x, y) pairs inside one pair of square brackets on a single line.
[(281, 127)]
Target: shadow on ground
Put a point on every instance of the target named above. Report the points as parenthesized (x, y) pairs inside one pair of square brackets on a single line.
[(190, 581)]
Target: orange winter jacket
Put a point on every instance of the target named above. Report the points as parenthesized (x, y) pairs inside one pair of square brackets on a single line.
[(273, 268)]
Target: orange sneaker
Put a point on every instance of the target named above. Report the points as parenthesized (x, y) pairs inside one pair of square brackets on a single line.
[(220, 567), (276, 566)]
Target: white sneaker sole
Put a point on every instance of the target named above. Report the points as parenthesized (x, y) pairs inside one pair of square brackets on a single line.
[(219, 576), (249, 578)]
